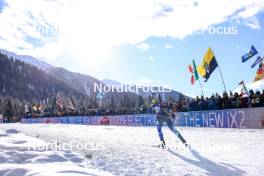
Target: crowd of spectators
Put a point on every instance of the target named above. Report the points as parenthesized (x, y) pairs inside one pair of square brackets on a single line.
[(227, 101), (215, 102), (100, 111)]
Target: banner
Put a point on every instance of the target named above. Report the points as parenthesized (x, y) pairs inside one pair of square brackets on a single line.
[(125, 120), (252, 52), (230, 118)]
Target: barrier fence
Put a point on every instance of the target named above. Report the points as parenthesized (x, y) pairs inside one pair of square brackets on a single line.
[(231, 118)]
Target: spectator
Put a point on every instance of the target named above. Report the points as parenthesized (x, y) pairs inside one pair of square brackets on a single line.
[(262, 99), (193, 105), (236, 100), (225, 101), (243, 101), (211, 103), (252, 98), (257, 97), (203, 104)]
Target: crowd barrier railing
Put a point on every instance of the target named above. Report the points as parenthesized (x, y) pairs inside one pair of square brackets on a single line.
[(230, 118)]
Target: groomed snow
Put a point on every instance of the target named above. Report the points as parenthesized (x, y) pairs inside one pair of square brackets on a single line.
[(106, 150)]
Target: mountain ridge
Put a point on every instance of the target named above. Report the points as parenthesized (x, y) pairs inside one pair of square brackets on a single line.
[(83, 83), (28, 59)]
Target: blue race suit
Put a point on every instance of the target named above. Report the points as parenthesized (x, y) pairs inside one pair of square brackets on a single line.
[(162, 118)]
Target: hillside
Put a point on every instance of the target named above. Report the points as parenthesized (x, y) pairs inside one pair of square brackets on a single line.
[(28, 59), (26, 82), (80, 82)]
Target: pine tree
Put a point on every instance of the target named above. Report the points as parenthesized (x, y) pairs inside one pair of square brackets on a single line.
[(112, 103), (9, 110)]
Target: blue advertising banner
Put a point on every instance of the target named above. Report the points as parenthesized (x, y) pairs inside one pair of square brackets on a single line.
[(126, 120), (231, 118)]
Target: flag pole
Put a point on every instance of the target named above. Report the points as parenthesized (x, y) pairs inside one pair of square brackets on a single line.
[(195, 73), (222, 76), (201, 87)]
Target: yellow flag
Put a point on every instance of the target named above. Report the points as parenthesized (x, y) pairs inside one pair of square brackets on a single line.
[(201, 70), (209, 55), (208, 65)]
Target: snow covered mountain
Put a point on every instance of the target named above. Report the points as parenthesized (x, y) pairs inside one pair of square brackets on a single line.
[(111, 82), (80, 82), (27, 59), (23, 81), (84, 84)]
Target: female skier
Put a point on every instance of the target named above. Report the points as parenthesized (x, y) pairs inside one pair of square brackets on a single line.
[(164, 115)]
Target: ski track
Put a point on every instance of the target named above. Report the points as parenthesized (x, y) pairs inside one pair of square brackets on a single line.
[(127, 150)]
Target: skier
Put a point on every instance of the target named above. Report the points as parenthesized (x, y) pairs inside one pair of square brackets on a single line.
[(164, 115)]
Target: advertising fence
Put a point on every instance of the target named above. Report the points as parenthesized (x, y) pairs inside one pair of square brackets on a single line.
[(231, 118), (126, 120)]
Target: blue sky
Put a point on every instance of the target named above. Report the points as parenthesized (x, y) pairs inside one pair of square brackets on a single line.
[(149, 42), (170, 65), (2, 5)]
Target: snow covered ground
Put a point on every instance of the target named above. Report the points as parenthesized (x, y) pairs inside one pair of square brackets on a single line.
[(115, 150)]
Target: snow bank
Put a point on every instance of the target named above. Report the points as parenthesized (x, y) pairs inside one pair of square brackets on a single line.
[(127, 151), (19, 157)]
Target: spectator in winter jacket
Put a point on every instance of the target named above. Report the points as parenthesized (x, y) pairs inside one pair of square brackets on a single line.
[(211, 103), (262, 99), (236, 100), (225, 101)]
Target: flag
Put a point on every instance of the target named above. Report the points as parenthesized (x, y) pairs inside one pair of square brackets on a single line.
[(209, 65), (260, 73), (260, 69), (70, 106), (195, 71), (258, 60), (35, 108), (59, 103), (252, 52), (190, 69), (241, 83), (192, 80), (244, 89)]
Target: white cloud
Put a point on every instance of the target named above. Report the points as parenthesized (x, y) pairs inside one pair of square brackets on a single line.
[(168, 46), (90, 30), (259, 85), (151, 59), (251, 9), (143, 46), (252, 22)]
